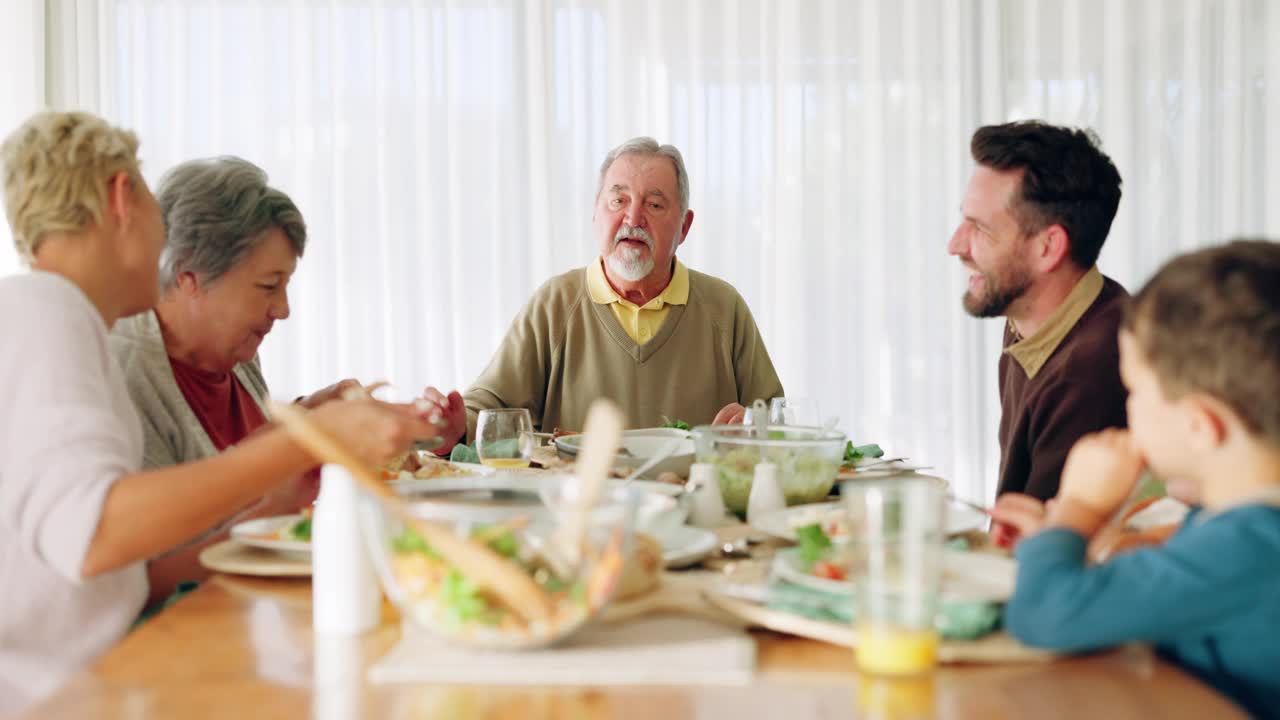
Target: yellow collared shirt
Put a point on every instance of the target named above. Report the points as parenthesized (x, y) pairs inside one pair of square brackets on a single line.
[(1032, 352), (641, 322)]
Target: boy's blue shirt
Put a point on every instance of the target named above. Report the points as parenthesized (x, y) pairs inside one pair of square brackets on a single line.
[(1209, 600)]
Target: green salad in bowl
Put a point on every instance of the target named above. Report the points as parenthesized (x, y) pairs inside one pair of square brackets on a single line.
[(808, 459)]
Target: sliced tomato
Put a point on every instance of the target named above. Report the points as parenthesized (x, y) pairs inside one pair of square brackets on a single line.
[(829, 570)]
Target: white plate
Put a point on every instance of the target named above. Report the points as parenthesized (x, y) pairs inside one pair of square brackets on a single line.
[(966, 576), (479, 499), (262, 533), (229, 556), (783, 523), (878, 469), (641, 445), (450, 468), (686, 545)]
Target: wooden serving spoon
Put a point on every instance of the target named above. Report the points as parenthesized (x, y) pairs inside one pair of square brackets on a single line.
[(601, 437)]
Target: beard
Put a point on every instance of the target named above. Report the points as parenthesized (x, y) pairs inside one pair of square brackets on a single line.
[(631, 263), (1002, 287)]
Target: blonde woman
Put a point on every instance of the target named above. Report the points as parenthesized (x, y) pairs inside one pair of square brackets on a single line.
[(77, 517)]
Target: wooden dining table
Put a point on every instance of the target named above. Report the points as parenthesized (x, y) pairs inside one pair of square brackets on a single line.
[(242, 647)]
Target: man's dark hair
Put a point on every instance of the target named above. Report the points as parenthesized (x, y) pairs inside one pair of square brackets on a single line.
[(1066, 180)]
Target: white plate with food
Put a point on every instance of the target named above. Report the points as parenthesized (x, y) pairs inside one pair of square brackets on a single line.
[(835, 522), (425, 466), (282, 533), (966, 576)]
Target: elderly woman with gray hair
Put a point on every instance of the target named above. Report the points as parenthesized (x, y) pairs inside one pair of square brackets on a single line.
[(191, 365)]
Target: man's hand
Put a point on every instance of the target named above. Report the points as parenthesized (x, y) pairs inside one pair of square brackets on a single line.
[(1101, 470), (730, 414), (376, 431), (324, 395), (448, 413), (1016, 516)]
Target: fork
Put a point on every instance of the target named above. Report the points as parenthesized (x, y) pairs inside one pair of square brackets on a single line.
[(951, 497)]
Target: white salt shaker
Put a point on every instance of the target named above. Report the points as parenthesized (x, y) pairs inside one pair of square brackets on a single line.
[(345, 599), (708, 509), (766, 493), (337, 677)]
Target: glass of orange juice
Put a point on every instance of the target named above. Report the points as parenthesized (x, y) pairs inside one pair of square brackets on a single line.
[(504, 437), (897, 533)]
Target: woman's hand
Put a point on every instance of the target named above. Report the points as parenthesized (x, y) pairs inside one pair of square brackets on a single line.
[(376, 431), (324, 395)]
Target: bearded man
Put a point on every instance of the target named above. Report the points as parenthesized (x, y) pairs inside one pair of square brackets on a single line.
[(1036, 213)]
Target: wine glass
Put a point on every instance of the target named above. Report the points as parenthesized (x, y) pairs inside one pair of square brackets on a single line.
[(504, 438)]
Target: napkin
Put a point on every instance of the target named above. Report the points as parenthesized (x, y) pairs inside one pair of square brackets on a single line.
[(463, 453), (657, 650)]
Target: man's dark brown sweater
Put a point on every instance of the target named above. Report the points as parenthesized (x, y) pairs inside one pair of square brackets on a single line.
[(1059, 384)]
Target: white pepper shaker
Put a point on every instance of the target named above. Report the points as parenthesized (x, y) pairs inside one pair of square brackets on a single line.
[(766, 493), (708, 509)]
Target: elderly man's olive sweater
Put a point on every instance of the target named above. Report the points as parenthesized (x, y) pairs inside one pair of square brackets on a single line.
[(563, 351)]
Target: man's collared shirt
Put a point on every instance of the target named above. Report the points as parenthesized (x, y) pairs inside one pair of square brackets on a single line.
[(1032, 352), (641, 322), (1059, 384)]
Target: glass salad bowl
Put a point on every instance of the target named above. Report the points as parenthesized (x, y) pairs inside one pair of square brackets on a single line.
[(808, 459), (572, 582)]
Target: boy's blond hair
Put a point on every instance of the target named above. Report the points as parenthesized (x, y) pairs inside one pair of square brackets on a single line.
[(1209, 321), (55, 169)]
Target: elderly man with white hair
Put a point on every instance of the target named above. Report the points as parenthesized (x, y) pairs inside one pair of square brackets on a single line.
[(635, 325)]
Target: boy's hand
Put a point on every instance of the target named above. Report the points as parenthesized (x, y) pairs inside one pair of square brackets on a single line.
[(1100, 471), (1016, 516)]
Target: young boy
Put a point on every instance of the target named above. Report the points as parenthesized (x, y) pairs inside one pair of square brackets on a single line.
[(1200, 354)]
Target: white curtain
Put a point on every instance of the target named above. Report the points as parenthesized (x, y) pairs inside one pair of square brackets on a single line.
[(445, 156), (21, 85)]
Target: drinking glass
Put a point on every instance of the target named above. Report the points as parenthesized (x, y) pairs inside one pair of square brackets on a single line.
[(504, 438), (897, 533)]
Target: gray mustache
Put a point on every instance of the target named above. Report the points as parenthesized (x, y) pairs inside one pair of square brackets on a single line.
[(627, 232)]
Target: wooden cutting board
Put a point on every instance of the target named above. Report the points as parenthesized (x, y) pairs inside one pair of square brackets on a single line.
[(997, 647), (691, 593)]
